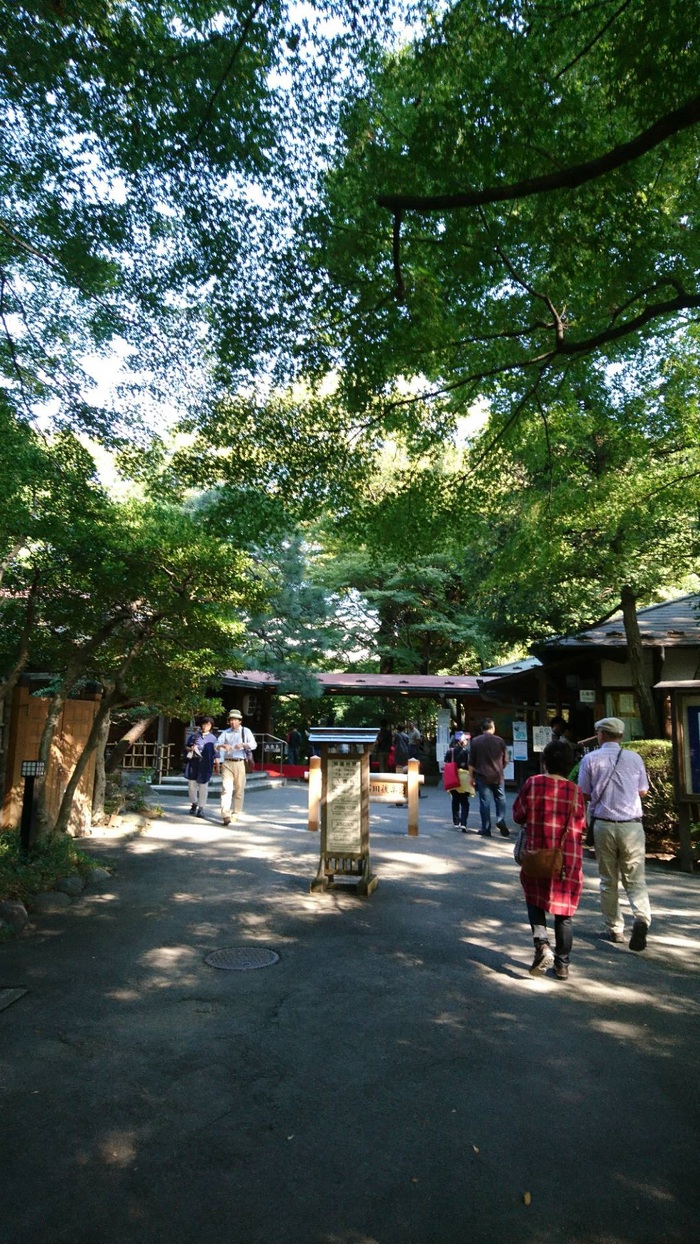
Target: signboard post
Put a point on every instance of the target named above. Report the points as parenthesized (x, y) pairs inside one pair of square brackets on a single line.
[(344, 857)]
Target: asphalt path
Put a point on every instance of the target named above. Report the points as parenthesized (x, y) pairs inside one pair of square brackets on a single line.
[(395, 1077)]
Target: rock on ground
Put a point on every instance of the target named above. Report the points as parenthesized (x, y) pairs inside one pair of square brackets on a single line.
[(14, 915)]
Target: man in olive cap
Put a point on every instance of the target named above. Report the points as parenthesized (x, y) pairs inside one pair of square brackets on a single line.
[(613, 781)]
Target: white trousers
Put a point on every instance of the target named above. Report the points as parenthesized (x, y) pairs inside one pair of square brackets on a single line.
[(232, 786), (198, 792), (619, 848)]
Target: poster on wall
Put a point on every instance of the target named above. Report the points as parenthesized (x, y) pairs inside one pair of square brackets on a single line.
[(520, 749), (541, 736), (442, 741), (692, 749)]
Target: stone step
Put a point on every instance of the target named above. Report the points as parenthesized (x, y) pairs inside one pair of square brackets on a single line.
[(176, 784)]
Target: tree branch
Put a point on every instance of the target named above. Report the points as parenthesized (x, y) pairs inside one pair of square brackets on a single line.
[(592, 42), (566, 179), (564, 348), (400, 292), (671, 483), (238, 46), (509, 422)]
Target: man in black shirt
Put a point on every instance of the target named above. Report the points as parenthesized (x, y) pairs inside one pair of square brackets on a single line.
[(488, 760)]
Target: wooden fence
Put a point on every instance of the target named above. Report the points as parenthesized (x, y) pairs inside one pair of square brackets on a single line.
[(28, 717)]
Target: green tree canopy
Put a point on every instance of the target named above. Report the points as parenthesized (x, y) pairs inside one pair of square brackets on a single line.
[(537, 160), (151, 157)]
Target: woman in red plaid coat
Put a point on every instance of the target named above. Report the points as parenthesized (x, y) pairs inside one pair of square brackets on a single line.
[(547, 804)]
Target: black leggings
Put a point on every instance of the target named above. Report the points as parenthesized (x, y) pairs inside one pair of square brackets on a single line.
[(563, 931)]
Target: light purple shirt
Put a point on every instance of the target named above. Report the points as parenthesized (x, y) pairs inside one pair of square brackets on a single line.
[(616, 797)]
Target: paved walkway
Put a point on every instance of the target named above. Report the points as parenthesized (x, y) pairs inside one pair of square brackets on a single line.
[(396, 1078)]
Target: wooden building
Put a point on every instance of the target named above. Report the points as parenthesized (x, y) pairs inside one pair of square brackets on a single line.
[(586, 675)]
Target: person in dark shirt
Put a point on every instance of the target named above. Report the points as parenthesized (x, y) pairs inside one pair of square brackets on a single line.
[(488, 761), (401, 749), (294, 741), (383, 746)]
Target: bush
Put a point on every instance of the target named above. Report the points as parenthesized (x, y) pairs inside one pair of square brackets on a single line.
[(56, 857), (660, 810), (130, 797)]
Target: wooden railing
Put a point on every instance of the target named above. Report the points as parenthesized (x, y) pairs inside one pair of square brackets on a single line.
[(160, 757)]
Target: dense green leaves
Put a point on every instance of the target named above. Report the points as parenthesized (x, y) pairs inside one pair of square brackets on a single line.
[(502, 295), (151, 158)]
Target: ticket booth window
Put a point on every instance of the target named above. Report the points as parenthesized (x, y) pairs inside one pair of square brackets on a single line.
[(623, 704)]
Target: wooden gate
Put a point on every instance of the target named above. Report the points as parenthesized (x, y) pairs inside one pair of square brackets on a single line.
[(29, 714)]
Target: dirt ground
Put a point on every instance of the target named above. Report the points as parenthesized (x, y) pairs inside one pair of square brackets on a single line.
[(395, 1077)]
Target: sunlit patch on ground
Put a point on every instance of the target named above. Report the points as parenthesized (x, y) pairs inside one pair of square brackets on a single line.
[(118, 1148)]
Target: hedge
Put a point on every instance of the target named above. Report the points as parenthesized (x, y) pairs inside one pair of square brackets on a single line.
[(660, 811)]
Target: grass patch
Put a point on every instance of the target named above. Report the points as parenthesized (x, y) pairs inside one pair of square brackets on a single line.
[(21, 878)]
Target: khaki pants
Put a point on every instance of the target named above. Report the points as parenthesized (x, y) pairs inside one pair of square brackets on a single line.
[(198, 792), (232, 786), (619, 849)]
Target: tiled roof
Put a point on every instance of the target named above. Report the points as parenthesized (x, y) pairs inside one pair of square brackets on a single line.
[(675, 623), (388, 684), (513, 667)]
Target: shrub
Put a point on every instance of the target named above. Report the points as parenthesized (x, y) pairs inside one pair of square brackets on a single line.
[(660, 810), (21, 877)]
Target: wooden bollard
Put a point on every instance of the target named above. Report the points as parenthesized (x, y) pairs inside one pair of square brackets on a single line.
[(314, 793), (412, 797)]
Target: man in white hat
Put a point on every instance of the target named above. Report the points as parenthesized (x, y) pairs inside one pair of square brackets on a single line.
[(232, 747), (613, 781)]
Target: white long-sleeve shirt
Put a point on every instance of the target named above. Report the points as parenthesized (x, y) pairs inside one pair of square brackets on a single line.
[(233, 744)]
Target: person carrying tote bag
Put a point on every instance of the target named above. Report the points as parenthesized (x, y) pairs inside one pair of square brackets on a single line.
[(456, 773), (553, 812)]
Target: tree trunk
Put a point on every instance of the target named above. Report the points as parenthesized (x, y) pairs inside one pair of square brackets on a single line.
[(77, 666), (132, 735), (45, 747), (115, 695), (102, 715), (635, 651), (98, 794)]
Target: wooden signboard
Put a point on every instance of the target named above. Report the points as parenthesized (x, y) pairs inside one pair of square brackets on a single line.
[(344, 814)]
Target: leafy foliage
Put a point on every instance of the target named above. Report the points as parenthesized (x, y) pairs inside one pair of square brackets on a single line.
[(21, 877), (505, 294), (152, 155), (598, 489)]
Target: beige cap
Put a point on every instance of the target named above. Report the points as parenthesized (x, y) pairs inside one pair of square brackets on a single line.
[(235, 712), (611, 725)]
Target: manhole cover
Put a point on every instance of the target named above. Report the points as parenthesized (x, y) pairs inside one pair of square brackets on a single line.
[(242, 958)]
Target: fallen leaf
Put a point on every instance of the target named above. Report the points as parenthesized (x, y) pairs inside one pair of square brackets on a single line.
[(474, 1147), (527, 1198)]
